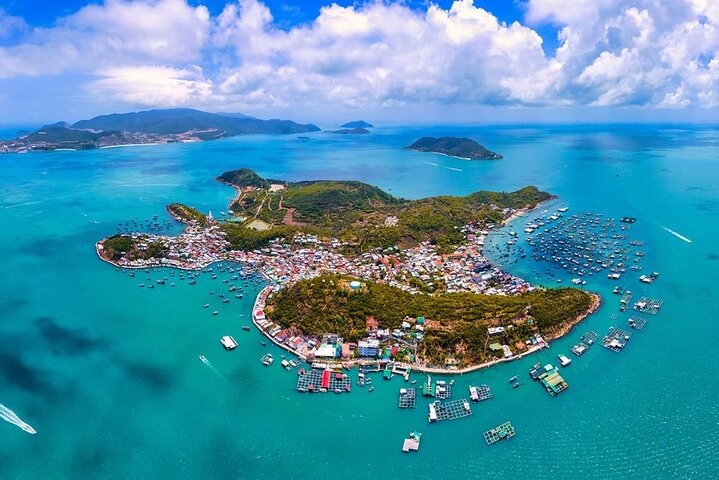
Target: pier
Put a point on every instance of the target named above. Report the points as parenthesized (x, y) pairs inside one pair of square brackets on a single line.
[(616, 339), (411, 443), (637, 322), (407, 398), (501, 432), (323, 381), (451, 410)]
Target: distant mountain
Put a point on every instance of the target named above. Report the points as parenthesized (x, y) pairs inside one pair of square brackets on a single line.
[(357, 124), (182, 120), (351, 131), (465, 148), (151, 126)]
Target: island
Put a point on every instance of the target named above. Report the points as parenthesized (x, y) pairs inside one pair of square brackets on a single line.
[(351, 131), (147, 127), (354, 272), (357, 124), (463, 148)]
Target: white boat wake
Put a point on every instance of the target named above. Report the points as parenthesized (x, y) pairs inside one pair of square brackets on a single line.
[(11, 417), (682, 237), (211, 366), (455, 169), (433, 164)]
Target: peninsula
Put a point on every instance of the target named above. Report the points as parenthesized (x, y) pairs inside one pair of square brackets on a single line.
[(464, 148), (147, 127), (351, 263)]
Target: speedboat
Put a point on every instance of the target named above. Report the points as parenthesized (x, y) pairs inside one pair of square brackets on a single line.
[(202, 357)]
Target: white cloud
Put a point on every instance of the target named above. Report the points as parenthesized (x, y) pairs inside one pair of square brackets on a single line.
[(662, 53)]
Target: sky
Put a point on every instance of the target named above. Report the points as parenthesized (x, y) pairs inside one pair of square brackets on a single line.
[(411, 61)]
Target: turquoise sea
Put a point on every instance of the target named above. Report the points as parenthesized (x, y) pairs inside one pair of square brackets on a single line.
[(109, 375)]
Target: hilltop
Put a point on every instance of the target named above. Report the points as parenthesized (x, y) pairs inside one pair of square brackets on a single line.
[(351, 131), (357, 124), (362, 215), (464, 148)]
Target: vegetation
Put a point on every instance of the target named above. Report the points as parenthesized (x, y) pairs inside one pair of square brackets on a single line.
[(243, 178), (119, 246), (351, 131), (357, 124), (456, 324), (187, 214), (455, 147), (366, 216)]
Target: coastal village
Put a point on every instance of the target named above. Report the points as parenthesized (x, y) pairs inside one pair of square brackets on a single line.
[(393, 352)]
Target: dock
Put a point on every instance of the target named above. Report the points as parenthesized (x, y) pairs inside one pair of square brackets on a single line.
[(228, 342), (637, 322), (648, 305), (407, 398), (480, 393), (452, 410), (501, 432), (323, 381), (616, 339)]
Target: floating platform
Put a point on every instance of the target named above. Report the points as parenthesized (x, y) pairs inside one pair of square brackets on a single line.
[(501, 432), (616, 339), (411, 443), (228, 342), (579, 349), (589, 338), (480, 393), (323, 381), (451, 410), (407, 398), (637, 322), (442, 390), (552, 381), (648, 305)]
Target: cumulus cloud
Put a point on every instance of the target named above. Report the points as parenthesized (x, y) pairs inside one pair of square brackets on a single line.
[(654, 53)]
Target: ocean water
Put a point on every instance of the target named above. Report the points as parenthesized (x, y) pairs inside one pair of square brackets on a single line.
[(109, 375)]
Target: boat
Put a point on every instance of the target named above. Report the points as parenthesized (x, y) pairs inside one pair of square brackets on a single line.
[(564, 360), (215, 312), (267, 359), (207, 305), (371, 389), (246, 328), (262, 342), (202, 357), (513, 379), (516, 385)]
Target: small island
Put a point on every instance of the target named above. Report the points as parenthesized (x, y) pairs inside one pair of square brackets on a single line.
[(357, 124), (351, 131), (147, 128), (463, 148), (350, 264)]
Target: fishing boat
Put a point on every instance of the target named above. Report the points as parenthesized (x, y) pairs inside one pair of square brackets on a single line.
[(267, 360), (246, 328), (513, 379)]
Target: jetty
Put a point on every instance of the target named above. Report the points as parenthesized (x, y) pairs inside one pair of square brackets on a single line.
[(451, 410), (407, 398), (322, 381), (498, 433), (616, 339)]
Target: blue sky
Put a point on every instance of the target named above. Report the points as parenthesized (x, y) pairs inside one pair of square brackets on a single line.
[(393, 61)]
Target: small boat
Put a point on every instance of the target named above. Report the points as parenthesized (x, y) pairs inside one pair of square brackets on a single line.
[(207, 305), (516, 385), (202, 357), (267, 360), (262, 343), (513, 379), (246, 328), (226, 300), (371, 389), (215, 312)]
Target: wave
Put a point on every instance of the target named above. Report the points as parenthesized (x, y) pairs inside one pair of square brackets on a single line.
[(11, 417), (430, 163), (455, 169), (678, 235)]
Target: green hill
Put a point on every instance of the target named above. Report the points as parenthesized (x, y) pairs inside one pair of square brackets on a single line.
[(455, 147), (456, 322), (357, 124)]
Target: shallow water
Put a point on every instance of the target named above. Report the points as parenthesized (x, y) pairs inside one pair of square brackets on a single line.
[(109, 375)]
